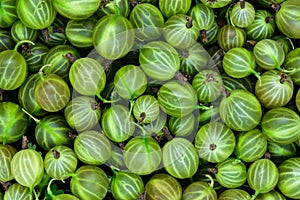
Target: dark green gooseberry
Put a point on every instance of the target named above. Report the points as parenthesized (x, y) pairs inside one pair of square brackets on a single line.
[(180, 158), (33, 14), (163, 186), (193, 59), (13, 122), (234, 194), (181, 31), (60, 58), (216, 4), (183, 126), (8, 13), (18, 191), (298, 100), (262, 176), (272, 195), (262, 27), (59, 162), (291, 63), (74, 10), (204, 17), (281, 152), (34, 55), (199, 190), (115, 7), (251, 145), (171, 7), (281, 125), (27, 175), (80, 32), (92, 147), (51, 92), (274, 89), (6, 41), (21, 32), (230, 173), (117, 123), (126, 185), (54, 34), (208, 85), (289, 178), (82, 113), (230, 83), (7, 152), (89, 182), (285, 42), (51, 131), (240, 110), (142, 155), (26, 96)]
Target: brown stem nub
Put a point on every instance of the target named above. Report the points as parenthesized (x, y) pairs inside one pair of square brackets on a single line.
[(203, 36), (103, 3), (58, 30), (213, 170), (72, 136), (142, 117), (189, 23), (283, 78), (46, 35), (270, 19), (210, 78), (212, 147), (184, 54), (182, 79), (56, 154), (143, 196), (242, 3), (275, 6), (1, 95), (267, 155), (156, 137), (5, 185), (121, 145), (167, 133), (25, 48), (70, 56), (25, 142), (95, 106), (133, 3)]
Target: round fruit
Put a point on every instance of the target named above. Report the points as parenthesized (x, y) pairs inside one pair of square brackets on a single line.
[(172, 7), (126, 185), (13, 122), (177, 99), (52, 93), (7, 152), (180, 158), (281, 125), (214, 142), (163, 186), (240, 110), (289, 174), (29, 175), (92, 147), (59, 162), (159, 60), (262, 176), (274, 89), (36, 14), (142, 155)]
